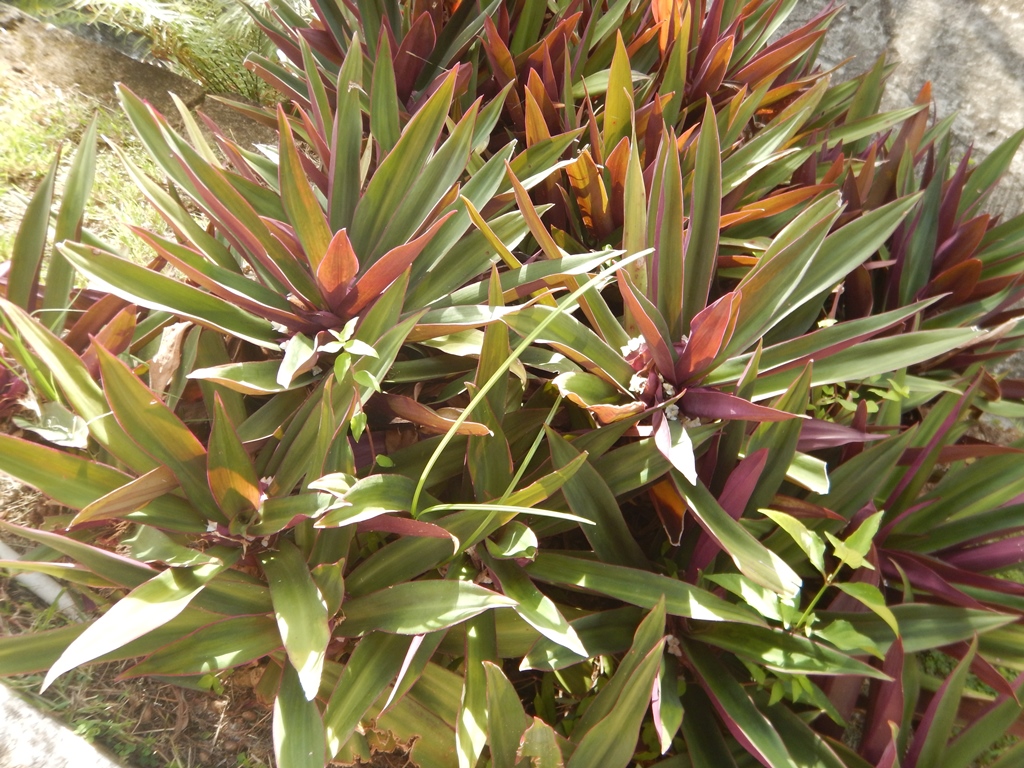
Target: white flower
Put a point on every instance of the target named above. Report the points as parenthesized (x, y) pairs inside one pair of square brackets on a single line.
[(689, 423), (633, 345), (673, 647), (668, 389), (637, 383), (672, 412)]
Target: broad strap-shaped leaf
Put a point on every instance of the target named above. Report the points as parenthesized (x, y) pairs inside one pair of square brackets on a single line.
[(755, 561), (932, 733), (60, 275), (30, 243), (589, 496), (785, 651), (145, 608), (298, 730), (231, 473), (418, 607), (137, 284), (506, 718), (304, 211), (301, 613), (637, 587), (370, 667), (705, 214), (158, 431), (743, 719), (219, 645), (532, 605)]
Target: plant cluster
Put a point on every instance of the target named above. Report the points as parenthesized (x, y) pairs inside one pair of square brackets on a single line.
[(579, 384)]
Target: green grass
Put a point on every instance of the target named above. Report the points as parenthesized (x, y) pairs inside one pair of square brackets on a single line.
[(36, 125)]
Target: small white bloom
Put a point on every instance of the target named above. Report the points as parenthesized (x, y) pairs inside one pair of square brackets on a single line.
[(211, 527), (672, 646), (688, 423), (672, 412), (668, 389), (637, 383), (633, 345)]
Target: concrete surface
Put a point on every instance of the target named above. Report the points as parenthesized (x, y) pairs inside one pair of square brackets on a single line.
[(972, 51), (30, 739)]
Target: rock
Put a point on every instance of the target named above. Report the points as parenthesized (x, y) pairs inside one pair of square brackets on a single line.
[(973, 54), (29, 739), (33, 49)]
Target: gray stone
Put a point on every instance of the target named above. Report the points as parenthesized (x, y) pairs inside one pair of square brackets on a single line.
[(971, 52), (29, 739)]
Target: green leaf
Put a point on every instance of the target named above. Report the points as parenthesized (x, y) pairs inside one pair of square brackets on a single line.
[(612, 741), (705, 217), (785, 652), (535, 607), (755, 561), (703, 735), (142, 610), (506, 719), (158, 431), (60, 276), (139, 285), (256, 377), (30, 242), (396, 176), (809, 541), (922, 627), (517, 540), (300, 203), (347, 140), (618, 105), (371, 666), (928, 747), (299, 739), (384, 126), (734, 703), (220, 645), (768, 289), (231, 473), (854, 549), (418, 607), (588, 495), (539, 746), (301, 613), (665, 234), (871, 596), (637, 587)]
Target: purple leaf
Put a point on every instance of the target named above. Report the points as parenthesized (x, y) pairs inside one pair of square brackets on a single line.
[(885, 706), (710, 331), (988, 557), (404, 527), (816, 434), (712, 404)]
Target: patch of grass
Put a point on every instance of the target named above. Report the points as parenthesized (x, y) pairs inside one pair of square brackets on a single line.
[(36, 125)]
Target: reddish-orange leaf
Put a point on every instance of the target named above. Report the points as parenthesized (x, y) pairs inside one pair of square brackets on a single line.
[(337, 269), (420, 414), (959, 281), (710, 331)]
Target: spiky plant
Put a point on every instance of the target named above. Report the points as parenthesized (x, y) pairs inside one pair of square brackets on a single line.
[(516, 410)]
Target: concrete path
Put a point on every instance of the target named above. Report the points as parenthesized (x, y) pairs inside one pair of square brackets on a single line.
[(30, 739)]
